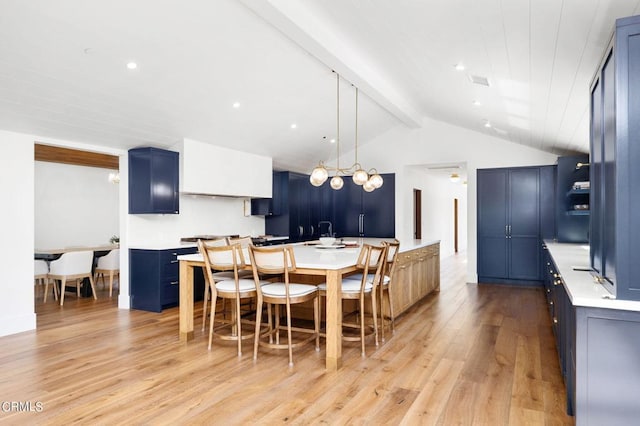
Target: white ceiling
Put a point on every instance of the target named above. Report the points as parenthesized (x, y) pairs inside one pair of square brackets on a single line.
[(63, 70)]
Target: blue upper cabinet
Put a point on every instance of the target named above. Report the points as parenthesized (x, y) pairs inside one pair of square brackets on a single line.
[(615, 158), (153, 181)]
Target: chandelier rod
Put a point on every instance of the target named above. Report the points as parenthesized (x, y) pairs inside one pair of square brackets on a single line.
[(356, 125), (337, 121)]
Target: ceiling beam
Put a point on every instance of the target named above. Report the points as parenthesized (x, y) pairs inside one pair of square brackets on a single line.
[(56, 154), (304, 29)]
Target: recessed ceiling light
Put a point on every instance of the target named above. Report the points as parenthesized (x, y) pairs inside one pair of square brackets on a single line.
[(332, 141), (459, 66), (476, 103), (487, 124), (132, 65), (294, 125), (236, 104)]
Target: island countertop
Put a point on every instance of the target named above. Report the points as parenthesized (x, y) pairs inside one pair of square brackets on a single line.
[(581, 287)]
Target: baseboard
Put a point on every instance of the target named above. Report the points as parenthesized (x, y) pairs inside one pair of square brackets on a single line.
[(503, 281), (17, 324)]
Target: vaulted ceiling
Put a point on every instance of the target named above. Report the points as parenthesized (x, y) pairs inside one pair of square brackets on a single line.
[(64, 75)]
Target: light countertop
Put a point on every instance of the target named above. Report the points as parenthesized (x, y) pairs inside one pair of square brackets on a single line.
[(404, 246), (581, 287), (310, 256)]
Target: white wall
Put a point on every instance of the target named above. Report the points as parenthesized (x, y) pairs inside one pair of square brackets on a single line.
[(198, 215), (16, 227), (438, 142), (74, 206)]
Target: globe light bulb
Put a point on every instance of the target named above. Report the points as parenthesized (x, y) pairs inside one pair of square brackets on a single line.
[(368, 186), (336, 182), (319, 175), (360, 177), (376, 180)]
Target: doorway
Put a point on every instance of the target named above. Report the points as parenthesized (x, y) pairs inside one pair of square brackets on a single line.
[(417, 214)]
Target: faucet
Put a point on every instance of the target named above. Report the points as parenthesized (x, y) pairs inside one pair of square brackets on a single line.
[(329, 228)]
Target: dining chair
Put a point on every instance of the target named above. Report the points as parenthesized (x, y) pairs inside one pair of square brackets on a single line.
[(370, 264), (391, 260), (280, 261), (227, 259), (215, 276), (40, 272), (108, 264), (74, 265), (384, 288)]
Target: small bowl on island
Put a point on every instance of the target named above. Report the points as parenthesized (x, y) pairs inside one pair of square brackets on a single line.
[(327, 241)]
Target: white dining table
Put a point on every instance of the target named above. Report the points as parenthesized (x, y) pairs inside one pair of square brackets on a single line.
[(332, 263)]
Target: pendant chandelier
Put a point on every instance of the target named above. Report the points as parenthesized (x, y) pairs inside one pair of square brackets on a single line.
[(369, 180)]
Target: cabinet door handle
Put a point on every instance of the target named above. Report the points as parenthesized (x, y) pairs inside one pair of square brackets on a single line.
[(174, 282), (506, 231), (175, 261)]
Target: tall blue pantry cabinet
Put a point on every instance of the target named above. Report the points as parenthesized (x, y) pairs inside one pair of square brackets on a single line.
[(515, 212)]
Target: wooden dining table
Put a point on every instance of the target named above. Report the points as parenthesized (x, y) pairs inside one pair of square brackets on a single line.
[(332, 263)]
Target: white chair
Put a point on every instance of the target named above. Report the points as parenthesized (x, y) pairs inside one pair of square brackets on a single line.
[(108, 264), (75, 265), (40, 272)]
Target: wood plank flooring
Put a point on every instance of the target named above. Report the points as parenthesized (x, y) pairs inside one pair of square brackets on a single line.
[(470, 355)]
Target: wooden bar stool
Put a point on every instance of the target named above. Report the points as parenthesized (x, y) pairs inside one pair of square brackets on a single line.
[(370, 263), (281, 261)]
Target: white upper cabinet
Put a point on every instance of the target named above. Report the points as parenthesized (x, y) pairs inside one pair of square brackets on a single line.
[(214, 170)]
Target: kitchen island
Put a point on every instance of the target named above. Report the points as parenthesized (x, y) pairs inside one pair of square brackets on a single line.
[(332, 265), (598, 340)]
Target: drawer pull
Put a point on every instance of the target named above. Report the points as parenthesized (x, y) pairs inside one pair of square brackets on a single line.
[(174, 282), (174, 261)]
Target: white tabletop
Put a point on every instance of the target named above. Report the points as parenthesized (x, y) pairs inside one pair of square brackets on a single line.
[(581, 287)]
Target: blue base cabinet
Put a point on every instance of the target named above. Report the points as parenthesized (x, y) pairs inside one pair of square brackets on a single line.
[(513, 216), (154, 277)]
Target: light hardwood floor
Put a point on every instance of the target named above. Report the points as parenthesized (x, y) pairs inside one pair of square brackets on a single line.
[(475, 355)]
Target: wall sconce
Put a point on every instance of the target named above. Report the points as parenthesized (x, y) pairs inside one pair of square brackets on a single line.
[(114, 177), (454, 177)]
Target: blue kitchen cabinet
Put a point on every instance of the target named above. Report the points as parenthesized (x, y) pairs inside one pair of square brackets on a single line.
[(510, 224), (365, 214), (573, 224), (615, 155), (272, 206), (154, 277), (351, 211), (153, 181)]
